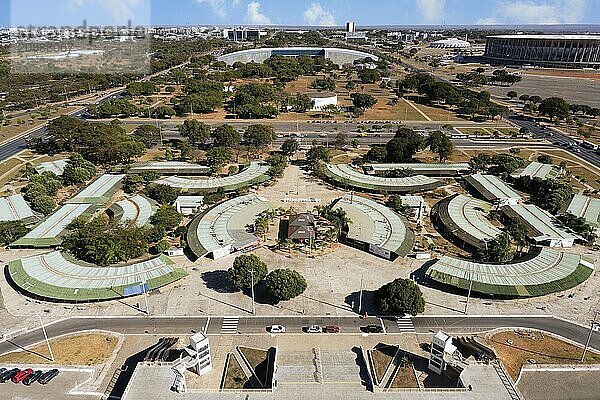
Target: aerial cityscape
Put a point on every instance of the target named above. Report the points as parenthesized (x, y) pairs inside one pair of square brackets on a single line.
[(277, 199)]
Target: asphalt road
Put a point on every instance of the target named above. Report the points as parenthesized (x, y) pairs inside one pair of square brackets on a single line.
[(294, 325)]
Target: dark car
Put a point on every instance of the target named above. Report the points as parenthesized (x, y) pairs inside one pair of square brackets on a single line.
[(332, 329), (372, 329), (20, 376), (32, 378), (8, 375), (2, 370), (47, 376)]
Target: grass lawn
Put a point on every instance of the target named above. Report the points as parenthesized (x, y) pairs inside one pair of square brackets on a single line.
[(382, 357), (518, 348), (258, 361), (405, 378), (235, 377), (87, 349)]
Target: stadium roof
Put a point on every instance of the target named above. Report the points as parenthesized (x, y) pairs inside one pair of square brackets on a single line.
[(492, 188), (15, 208), (538, 170), (170, 168), (346, 175), (48, 233), (413, 201), (548, 37), (465, 218), (226, 225), (587, 208), (134, 210), (421, 168), (99, 191), (545, 271), (451, 43), (57, 167), (253, 174), (375, 224), (543, 225), (57, 276)]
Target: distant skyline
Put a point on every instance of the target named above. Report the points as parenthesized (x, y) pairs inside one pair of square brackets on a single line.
[(298, 12)]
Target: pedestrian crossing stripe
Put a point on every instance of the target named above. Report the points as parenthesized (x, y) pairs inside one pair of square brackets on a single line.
[(405, 324), (230, 325)]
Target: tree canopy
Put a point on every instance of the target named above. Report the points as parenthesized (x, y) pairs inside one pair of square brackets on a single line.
[(405, 144), (400, 297), (196, 132), (285, 284), (441, 144), (244, 266)]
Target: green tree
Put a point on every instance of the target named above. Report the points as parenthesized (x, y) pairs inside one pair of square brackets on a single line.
[(400, 297), (499, 250), (244, 266), (218, 157), (197, 133), (405, 144), (226, 135), (362, 101), (289, 147), (259, 135), (302, 103), (284, 284), (167, 218), (554, 107), (376, 154), (149, 135), (162, 246), (441, 144), (317, 154), (545, 159), (278, 163), (324, 83), (163, 194), (512, 95), (77, 170), (369, 76), (11, 231)]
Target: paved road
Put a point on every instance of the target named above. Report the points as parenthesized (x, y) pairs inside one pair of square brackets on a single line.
[(294, 325)]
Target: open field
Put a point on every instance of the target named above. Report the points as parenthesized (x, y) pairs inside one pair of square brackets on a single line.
[(517, 348), (30, 120), (84, 349)]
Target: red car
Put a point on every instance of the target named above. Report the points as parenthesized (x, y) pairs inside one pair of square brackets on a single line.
[(18, 378), (332, 329)]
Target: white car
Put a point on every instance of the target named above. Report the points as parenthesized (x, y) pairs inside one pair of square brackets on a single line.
[(277, 329), (314, 329)]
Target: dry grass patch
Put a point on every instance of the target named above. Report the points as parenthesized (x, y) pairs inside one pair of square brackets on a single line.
[(405, 378), (258, 361), (88, 349), (518, 348), (382, 357), (234, 377)]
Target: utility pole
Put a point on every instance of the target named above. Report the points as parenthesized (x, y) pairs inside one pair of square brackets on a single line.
[(46, 337), (145, 286), (252, 288), (469, 294), (587, 343), (361, 294)]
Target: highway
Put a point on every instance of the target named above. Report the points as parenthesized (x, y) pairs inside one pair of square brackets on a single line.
[(294, 325)]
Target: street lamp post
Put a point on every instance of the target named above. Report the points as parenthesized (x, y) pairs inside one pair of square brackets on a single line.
[(46, 337), (587, 342)]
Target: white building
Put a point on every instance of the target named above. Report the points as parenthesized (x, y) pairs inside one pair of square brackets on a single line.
[(188, 205), (350, 27), (195, 357), (322, 100), (441, 352)]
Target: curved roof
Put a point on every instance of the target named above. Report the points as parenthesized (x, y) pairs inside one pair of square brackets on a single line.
[(170, 168), (57, 276), (466, 218), (99, 191), (546, 271), (451, 43), (136, 210), (376, 224), (226, 224), (254, 173), (345, 174), (437, 169), (337, 55), (547, 37), (492, 188)]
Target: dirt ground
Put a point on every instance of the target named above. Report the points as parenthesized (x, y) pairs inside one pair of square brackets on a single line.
[(517, 348), (86, 349)]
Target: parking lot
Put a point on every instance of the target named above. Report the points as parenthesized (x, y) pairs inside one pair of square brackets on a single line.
[(57, 389)]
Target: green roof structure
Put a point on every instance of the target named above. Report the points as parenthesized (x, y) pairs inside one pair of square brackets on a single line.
[(545, 271)]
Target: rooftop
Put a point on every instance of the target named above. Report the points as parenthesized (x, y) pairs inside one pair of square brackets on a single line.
[(422, 168), (57, 167), (170, 167), (586, 207), (376, 224), (545, 271), (538, 170), (492, 188), (540, 221), (549, 37), (135, 210), (15, 208), (99, 191)]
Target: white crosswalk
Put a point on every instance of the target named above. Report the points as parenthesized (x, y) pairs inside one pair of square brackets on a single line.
[(230, 325), (405, 325)]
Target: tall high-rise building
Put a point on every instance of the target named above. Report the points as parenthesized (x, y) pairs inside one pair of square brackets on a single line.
[(350, 27)]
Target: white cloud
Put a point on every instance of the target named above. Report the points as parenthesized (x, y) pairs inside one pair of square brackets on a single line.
[(120, 10), (317, 15), (255, 16), (431, 10), (236, 3), (535, 12), (218, 6)]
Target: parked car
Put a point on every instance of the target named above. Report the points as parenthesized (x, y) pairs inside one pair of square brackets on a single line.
[(20, 376), (314, 329), (332, 329), (372, 329), (2, 370), (276, 329), (7, 375), (48, 376), (32, 378)]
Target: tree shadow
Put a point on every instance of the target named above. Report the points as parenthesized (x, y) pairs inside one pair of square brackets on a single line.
[(368, 302), (217, 281)]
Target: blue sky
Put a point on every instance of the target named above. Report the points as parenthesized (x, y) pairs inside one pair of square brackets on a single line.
[(298, 12)]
